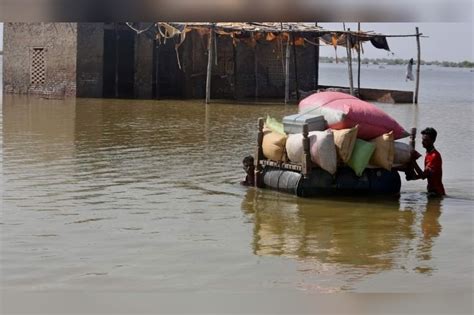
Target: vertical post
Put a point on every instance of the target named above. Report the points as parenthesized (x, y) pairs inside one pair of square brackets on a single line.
[(215, 46), (255, 60), (259, 154), (287, 71), (417, 65), (306, 167), (157, 72), (418, 171), (234, 57), (206, 128), (296, 68), (412, 138), (210, 59), (116, 59), (358, 59), (349, 61), (316, 62)]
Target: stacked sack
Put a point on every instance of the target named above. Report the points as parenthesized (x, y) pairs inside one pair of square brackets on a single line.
[(358, 134)]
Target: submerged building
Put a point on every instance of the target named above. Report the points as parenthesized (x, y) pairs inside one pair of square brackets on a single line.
[(169, 60), (114, 60)]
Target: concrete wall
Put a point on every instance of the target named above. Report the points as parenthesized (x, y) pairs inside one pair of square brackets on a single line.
[(59, 42), (90, 54)]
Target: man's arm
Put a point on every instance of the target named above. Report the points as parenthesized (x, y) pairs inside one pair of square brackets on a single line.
[(413, 171)]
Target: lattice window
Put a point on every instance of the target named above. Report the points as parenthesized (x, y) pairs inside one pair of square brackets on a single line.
[(38, 66)]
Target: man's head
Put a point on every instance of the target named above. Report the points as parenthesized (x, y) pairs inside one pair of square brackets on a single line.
[(248, 162), (428, 138)]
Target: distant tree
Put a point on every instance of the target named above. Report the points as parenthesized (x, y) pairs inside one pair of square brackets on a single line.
[(399, 61)]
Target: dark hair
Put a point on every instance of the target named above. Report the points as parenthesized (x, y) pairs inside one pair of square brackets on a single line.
[(430, 132), (248, 160)]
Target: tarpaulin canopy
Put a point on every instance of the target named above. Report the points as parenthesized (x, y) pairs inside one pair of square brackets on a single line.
[(301, 32)]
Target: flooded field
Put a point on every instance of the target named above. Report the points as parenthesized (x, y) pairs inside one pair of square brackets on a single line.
[(132, 195)]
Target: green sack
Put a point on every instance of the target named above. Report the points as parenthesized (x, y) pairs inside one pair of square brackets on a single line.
[(275, 125), (361, 155)]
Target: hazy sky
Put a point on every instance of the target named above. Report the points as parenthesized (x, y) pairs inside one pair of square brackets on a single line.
[(446, 41)]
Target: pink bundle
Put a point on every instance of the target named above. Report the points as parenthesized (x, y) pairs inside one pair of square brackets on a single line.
[(342, 111)]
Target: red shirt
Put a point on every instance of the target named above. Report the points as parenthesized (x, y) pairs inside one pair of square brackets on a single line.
[(434, 172)]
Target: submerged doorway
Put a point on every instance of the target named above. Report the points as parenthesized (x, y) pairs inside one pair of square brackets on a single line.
[(119, 62)]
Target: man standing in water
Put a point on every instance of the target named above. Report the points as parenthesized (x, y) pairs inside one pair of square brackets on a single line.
[(409, 74), (433, 164), (249, 168)]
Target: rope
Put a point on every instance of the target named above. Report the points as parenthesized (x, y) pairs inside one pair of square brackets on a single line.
[(137, 30)]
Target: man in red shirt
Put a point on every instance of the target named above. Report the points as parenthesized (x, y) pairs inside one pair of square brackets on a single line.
[(433, 164)]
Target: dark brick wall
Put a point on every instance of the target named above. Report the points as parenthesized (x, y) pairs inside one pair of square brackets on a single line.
[(222, 83), (270, 70), (143, 66), (306, 65), (90, 50), (245, 71), (260, 71), (194, 56)]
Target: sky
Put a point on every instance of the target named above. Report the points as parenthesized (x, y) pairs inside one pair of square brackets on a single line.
[(445, 41)]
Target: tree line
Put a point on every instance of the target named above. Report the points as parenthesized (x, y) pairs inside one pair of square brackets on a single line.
[(398, 61)]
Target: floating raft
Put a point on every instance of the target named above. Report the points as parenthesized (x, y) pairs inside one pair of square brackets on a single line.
[(308, 180), (321, 183)]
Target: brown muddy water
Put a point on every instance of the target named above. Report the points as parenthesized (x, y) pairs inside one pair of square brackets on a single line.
[(144, 196)]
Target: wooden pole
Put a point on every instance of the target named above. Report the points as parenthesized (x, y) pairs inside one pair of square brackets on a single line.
[(358, 60), (215, 48), (417, 65), (296, 68), (210, 59), (316, 62), (259, 154), (306, 167), (412, 138), (255, 60), (234, 59), (157, 68), (116, 60), (349, 62), (287, 72), (416, 168)]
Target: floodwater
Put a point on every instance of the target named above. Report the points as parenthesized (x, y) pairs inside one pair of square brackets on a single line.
[(144, 196)]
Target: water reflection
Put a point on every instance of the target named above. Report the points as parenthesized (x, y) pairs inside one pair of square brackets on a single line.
[(346, 235), (429, 212)]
